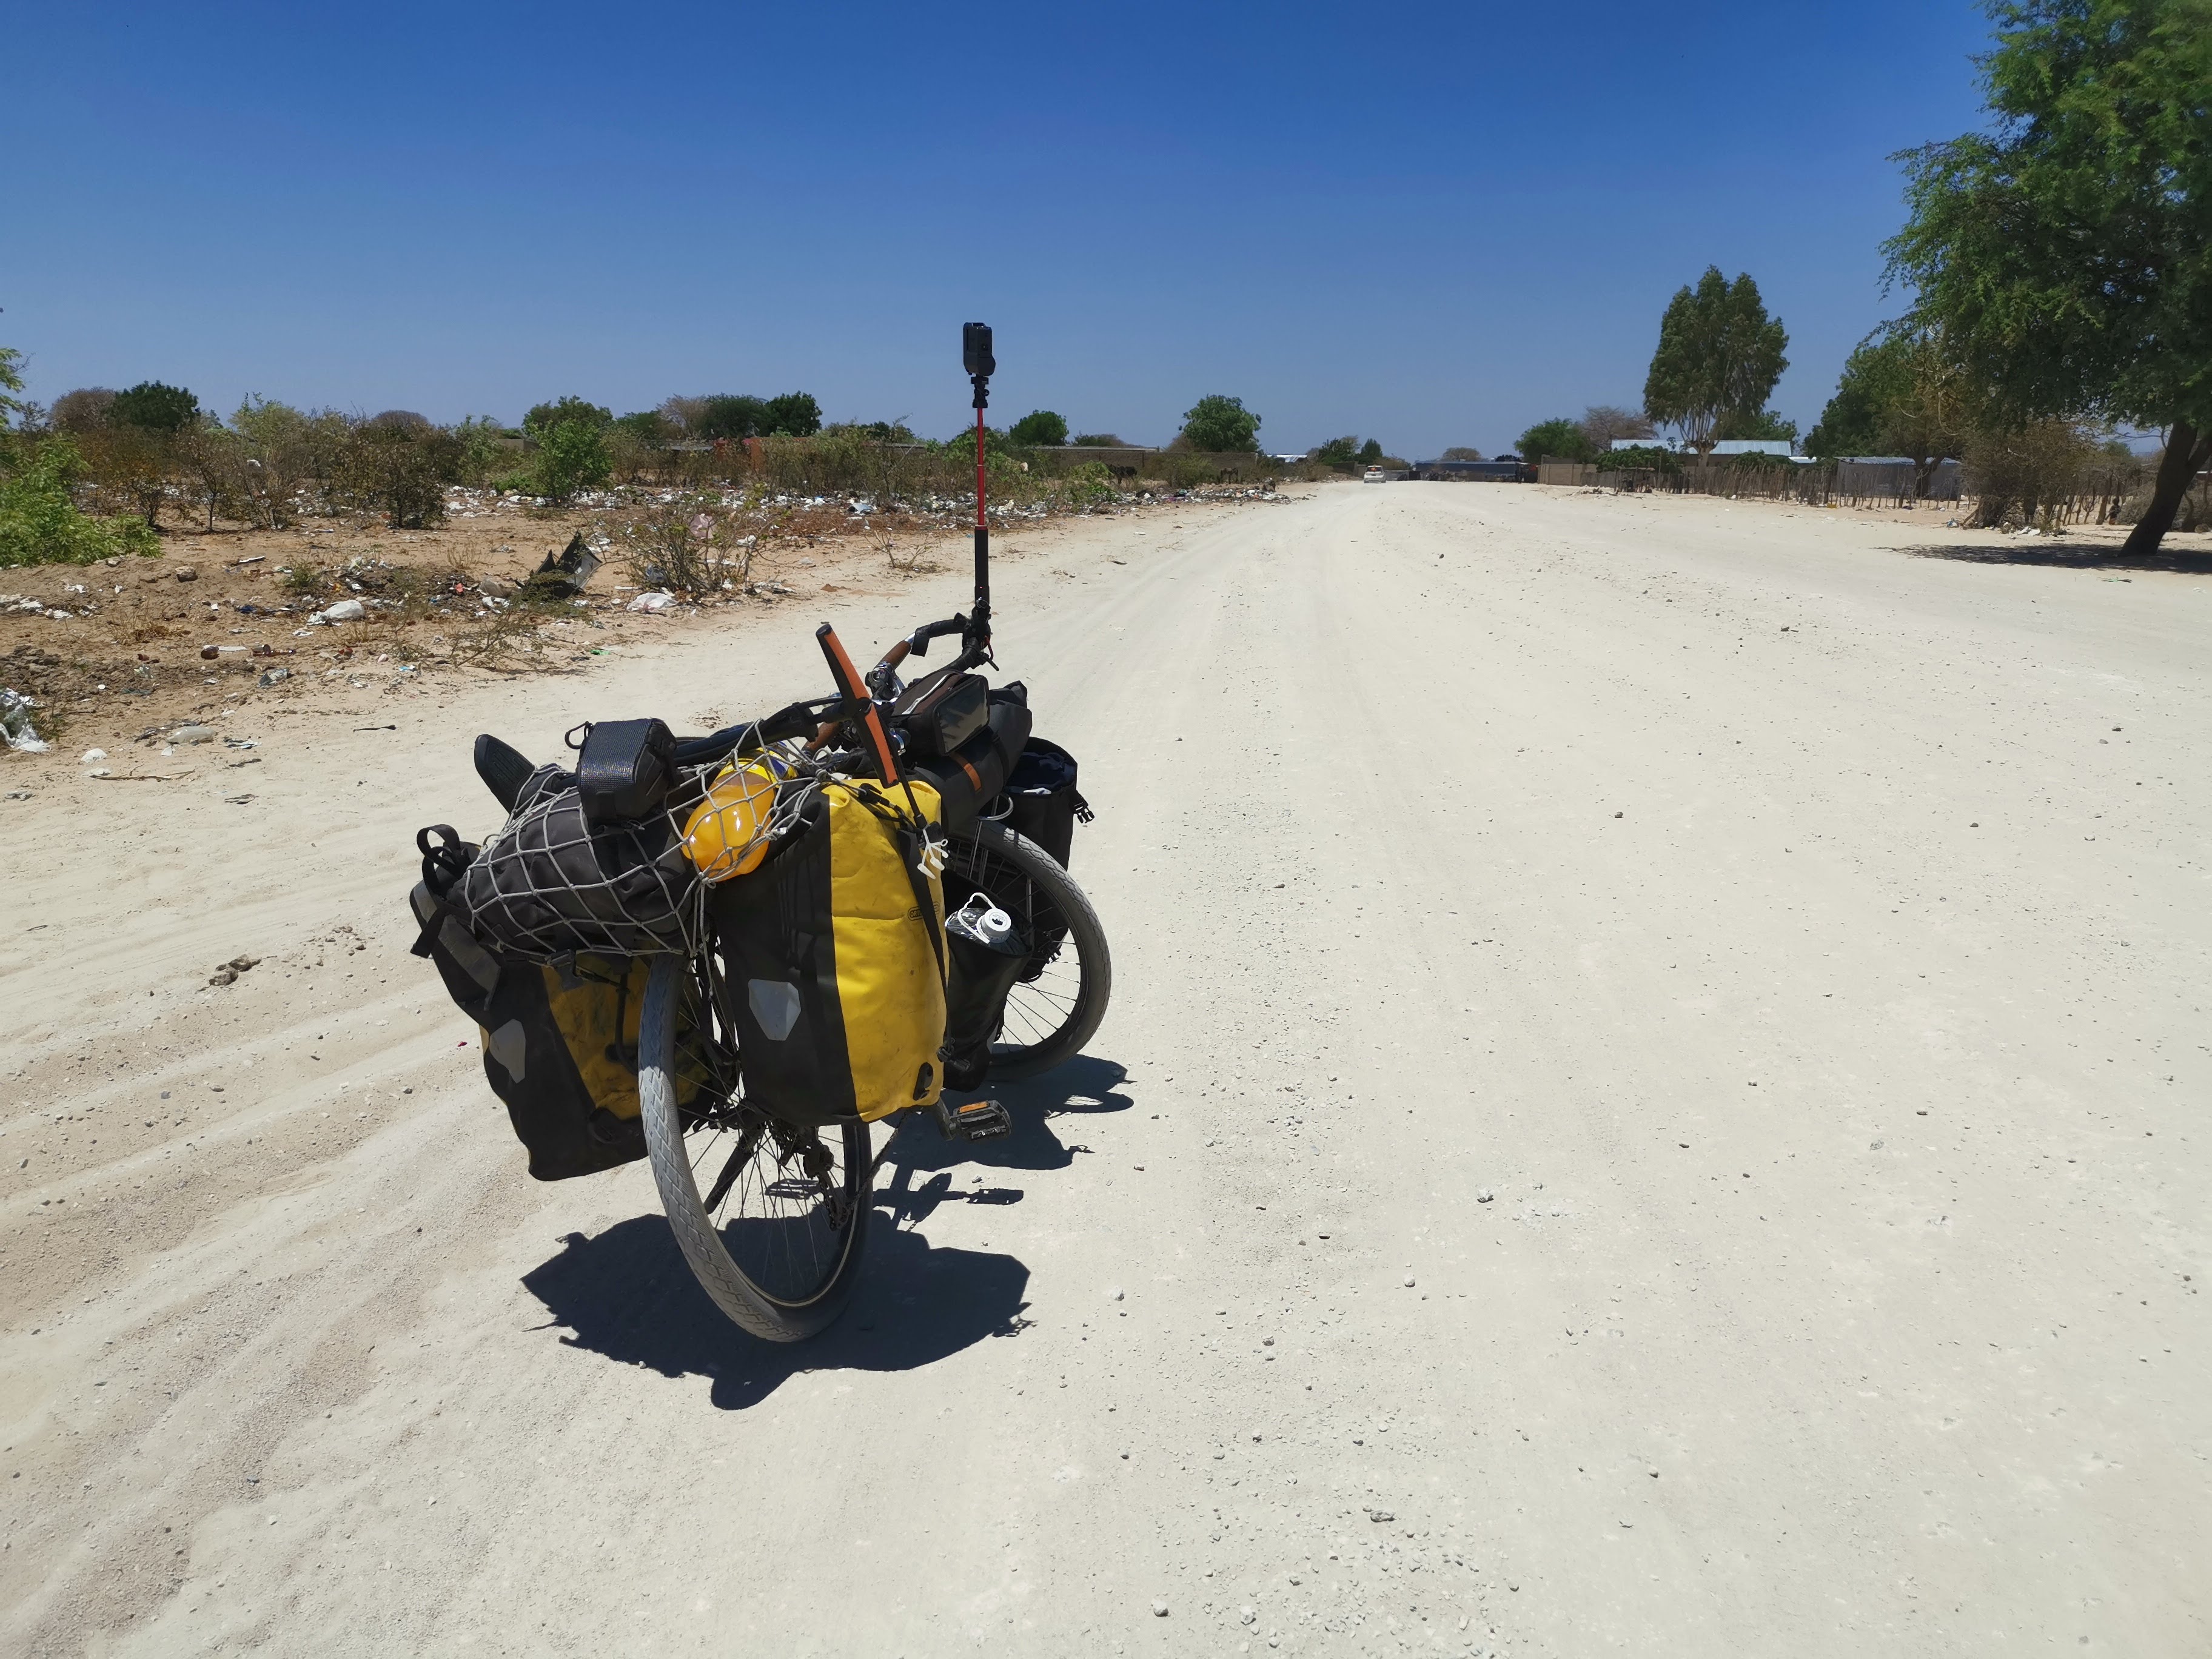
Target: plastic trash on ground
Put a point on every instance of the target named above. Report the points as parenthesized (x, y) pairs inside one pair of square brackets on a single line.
[(16, 723)]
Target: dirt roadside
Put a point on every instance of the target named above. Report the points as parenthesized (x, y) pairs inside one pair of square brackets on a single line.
[(1651, 1101)]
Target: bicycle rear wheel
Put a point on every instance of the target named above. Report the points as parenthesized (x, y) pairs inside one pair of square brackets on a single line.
[(775, 1237), (1057, 1004)]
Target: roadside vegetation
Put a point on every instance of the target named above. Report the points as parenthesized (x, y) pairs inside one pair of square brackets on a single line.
[(2060, 268)]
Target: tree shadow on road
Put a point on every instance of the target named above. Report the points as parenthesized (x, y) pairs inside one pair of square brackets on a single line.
[(628, 1293), (2066, 555)]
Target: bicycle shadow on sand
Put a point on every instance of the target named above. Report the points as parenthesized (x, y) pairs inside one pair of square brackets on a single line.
[(627, 1293)]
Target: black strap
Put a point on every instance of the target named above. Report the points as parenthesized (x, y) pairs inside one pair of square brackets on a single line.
[(443, 863)]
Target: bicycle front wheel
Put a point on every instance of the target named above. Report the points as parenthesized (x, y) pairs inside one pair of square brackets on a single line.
[(774, 1234)]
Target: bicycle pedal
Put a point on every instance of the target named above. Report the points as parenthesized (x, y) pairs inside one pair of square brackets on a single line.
[(978, 1120)]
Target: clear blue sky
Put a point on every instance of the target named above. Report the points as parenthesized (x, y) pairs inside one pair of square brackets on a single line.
[(1435, 226)]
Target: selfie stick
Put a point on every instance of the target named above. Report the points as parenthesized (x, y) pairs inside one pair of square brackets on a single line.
[(975, 354)]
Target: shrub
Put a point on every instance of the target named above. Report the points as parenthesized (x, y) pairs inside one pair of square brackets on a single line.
[(1099, 441), (543, 417), (85, 409), (689, 545), (39, 520), (483, 449), (572, 456), (1091, 484), (399, 471), (1339, 453)]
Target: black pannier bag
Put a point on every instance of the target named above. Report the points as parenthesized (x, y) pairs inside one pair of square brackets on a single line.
[(552, 882), (560, 1042), (1045, 803)]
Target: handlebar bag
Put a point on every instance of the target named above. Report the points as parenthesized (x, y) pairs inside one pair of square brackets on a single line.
[(939, 714), (560, 1042), (971, 777), (833, 955)]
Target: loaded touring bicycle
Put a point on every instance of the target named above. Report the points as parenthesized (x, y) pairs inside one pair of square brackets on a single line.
[(735, 954)]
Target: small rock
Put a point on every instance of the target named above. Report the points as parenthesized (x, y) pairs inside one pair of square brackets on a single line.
[(194, 734), (1160, 1609), (186, 573), (223, 976), (1114, 1295), (1483, 1195), (1380, 1515), (92, 757), (1407, 1281), (236, 800), (208, 653)]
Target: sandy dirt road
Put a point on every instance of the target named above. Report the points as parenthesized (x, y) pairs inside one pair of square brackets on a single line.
[(1655, 1103)]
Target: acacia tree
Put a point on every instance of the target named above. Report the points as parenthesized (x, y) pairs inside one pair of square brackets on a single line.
[(1560, 440), (2067, 253), (1719, 355)]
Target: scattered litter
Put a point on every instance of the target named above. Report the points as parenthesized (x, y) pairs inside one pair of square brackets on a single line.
[(562, 575), (16, 724), (91, 756), (275, 676), (344, 610), (651, 604), (194, 734)]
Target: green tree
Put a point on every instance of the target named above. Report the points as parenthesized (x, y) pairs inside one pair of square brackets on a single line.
[(1876, 375), (1461, 453), (572, 456), (1215, 425), (2067, 253), (1038, 429), (647, 426), (1371, 452), (729, 415), (11, 381), (153, 407), (1560, 440), (1769, 424), (1719, 354), (794, 414), (543, 417), (1339, 453), (1098, 440)]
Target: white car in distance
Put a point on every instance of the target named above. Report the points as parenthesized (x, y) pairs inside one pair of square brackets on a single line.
[(1373, 474)]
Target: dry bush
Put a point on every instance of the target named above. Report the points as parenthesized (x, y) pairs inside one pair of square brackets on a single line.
[(691, 545)]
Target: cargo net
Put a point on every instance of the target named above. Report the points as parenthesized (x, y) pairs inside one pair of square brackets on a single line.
[(551, 883)]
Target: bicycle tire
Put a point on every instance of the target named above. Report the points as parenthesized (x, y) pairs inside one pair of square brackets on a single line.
[(1049, 1025), (786, 1312)]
